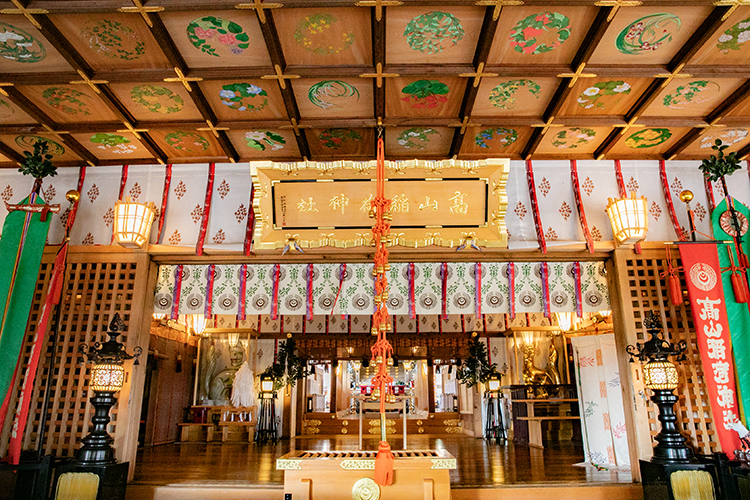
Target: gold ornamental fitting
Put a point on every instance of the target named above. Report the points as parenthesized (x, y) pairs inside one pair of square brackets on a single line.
[(366, 489), (372, 213), (383, 328), (377, 299), (379, 359), (686, 196), (387, 266), (72, 196), (387, 216), (373, 243), (383, 239), (374, 330), (388, 327), (390, 361), (376, 394), (288, 335), (385, 295), (380, 269)]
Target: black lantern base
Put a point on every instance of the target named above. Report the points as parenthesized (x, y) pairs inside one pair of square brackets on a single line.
[(266, 428), (494, 429), (113, 479), (670, 444), (97, 445)]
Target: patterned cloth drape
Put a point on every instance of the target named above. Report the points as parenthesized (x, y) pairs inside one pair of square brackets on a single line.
[(602, 415), (357, 289)]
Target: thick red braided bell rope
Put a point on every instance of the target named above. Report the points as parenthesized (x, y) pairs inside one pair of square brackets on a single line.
[(382, 350)]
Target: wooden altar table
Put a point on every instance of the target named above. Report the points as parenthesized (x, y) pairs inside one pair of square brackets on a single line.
[(364, 401)]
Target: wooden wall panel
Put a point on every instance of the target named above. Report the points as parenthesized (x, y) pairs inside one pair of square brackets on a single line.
[(97, 284)]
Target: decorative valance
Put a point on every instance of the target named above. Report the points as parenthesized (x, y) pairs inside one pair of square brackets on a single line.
[(348, 288)]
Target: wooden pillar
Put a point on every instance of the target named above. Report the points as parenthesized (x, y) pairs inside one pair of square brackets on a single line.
[(301, 393), (430, 386), (334, 384), (636, 419)]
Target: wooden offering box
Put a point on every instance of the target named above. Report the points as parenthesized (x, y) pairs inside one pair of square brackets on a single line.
[(347, 475)]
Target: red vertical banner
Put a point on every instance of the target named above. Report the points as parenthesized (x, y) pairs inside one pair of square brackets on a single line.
[(703, 278)]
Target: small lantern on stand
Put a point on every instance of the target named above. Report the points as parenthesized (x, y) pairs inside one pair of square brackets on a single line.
[(266, 430), (494, 427), (97, 454), (629, 218), (660, 375)]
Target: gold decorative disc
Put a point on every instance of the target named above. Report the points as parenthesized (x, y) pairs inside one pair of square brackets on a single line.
[(365, 489)]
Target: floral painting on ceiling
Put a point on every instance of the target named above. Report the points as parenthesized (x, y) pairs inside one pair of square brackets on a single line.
[(190, 142), (433, 32), (603, 94), (416, 138), (262, 139), (216, 36), (425, 93), (27, 143), (691, 93), (540, 33), (728, 137), (113, 39), (648, 138), (503, 96), (114, 143), (157, 99), (329, 93), (244, 97), (648, 33), (5, 109), (67, 100), (335, 138), (734, 37), (18, 45), (322, 34), (502, 137), (573, 137)]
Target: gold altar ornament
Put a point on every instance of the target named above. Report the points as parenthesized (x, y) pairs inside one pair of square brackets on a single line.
[(660, 375), (72, 196), (629, 218), (132, 224), (686, 196)]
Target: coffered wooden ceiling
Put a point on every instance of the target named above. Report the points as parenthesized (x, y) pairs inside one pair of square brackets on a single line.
[(113, 82)]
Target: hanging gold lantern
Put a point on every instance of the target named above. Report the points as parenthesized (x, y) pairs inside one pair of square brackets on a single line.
[(132, 224), (629, 218)]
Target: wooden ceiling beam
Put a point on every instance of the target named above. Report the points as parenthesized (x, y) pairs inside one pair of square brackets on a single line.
[(11, 153), (699, 37), (581, 58), (486, 37), (377, 28), (64, 47), (166, 44), (717, 114), (273, 45)]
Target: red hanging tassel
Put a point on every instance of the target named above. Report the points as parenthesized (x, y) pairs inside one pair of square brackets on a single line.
[(675, 289), (384, 463), (739, 287)]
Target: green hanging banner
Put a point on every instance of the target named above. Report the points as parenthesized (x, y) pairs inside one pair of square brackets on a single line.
[(21, 246), (738, 314)]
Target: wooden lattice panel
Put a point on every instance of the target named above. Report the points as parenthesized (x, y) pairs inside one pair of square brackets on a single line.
[(647, 290), (96, 286)]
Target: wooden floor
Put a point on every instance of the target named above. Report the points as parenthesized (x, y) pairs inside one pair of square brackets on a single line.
[(480, 464)]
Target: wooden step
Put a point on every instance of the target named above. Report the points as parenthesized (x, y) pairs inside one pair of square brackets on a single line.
[(436, 423)]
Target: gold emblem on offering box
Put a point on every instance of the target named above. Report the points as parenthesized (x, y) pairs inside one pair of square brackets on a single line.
[(358, 464), (365, 489), (471, 199), (444, 463), (286, 464)]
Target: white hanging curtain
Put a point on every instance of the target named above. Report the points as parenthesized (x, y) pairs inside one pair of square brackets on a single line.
[(605, 439)]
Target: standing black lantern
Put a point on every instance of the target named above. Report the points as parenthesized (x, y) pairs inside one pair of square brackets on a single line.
[(107, 378), (266, 428), (493, 425), (660, 375)]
